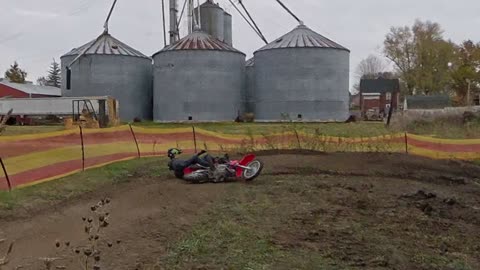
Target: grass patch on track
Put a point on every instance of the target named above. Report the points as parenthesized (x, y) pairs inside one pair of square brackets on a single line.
[(307, 221), (239, 233), (80, 183)]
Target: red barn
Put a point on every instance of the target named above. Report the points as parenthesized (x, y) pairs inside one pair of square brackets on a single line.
[(378, 95), (27, 90)]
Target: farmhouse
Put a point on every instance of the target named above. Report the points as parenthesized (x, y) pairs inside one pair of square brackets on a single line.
[(378, 95), (26, 90)]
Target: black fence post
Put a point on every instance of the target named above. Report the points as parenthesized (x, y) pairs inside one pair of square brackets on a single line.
[(135, 139), (6, 175), (406, 143), (298, 138), (194, 139), (83, 148)]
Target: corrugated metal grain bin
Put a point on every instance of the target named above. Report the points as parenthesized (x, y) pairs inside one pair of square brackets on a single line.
[(212, 19), (110, 67), (249, 85), (198, 78), (227, 31), (302, 76)]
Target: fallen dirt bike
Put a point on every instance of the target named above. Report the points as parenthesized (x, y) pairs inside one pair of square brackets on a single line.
[(247, 169)]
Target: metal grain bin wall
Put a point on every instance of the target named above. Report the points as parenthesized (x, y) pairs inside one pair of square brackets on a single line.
[(212, 19), (249, 85), (198, 78), (302, 76), (111, 68), (227, 31)]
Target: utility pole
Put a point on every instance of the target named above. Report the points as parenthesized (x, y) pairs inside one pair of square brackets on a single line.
[(173, 22)]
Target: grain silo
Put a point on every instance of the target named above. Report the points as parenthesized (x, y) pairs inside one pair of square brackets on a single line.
[(212, 19), (198, 78), (302, 76), (227, 29), (249, 85), (107, 66)]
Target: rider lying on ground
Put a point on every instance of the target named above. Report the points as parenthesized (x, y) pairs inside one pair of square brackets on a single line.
[(178, 165)]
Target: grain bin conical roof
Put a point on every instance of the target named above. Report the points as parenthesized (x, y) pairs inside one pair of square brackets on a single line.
[(200, 41), (302, 37), (106, 44)]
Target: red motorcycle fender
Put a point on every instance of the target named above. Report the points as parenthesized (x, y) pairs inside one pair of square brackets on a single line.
[(244, 162), (188, 171)]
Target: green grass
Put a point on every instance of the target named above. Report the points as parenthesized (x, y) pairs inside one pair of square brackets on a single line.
[(302, 222), (440, 129), (238, 233), (20, 130), (228, 238), (360, 129), (77, 184), (449, 129)]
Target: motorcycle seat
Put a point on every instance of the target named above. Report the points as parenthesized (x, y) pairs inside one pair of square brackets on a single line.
[(198, 166)]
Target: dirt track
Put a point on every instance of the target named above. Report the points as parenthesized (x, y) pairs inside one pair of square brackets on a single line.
[(406, 204)]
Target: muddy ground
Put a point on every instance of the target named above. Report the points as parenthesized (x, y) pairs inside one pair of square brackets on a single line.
[(310, 211)]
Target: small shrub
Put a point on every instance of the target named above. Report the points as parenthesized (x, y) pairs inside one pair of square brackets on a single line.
[(249, 117), (89, 255)]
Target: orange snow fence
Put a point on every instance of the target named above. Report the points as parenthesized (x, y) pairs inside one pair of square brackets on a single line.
[(37, 158)]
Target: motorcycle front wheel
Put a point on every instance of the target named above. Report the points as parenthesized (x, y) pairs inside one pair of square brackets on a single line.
[(256, 168)]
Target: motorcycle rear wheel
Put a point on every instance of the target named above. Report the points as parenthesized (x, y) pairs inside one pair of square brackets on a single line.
[(257, 167)]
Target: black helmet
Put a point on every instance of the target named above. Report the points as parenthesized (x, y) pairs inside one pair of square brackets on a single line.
[(173, 152)]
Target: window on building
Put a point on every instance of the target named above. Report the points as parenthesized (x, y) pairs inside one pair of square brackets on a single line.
[(389, 96)]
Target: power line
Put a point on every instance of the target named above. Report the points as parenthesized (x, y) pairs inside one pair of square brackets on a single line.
[(289, 11), (246, 20), (105, 26), (253, 21), (181, 14)]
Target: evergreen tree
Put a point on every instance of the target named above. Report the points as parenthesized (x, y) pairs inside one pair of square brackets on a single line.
[(15, 74), (42, 81), (54, 75)]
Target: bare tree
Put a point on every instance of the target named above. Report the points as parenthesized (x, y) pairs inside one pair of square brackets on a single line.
[(371, 67), (4, 120)]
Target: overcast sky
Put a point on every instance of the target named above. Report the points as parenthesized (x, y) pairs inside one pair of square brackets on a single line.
[(33, 32)]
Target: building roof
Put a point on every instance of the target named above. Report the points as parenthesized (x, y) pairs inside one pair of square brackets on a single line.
[(302, 37), (428, 102), (199, 41), (379, 85), (33, 89), (106, 44), (250, 62)]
